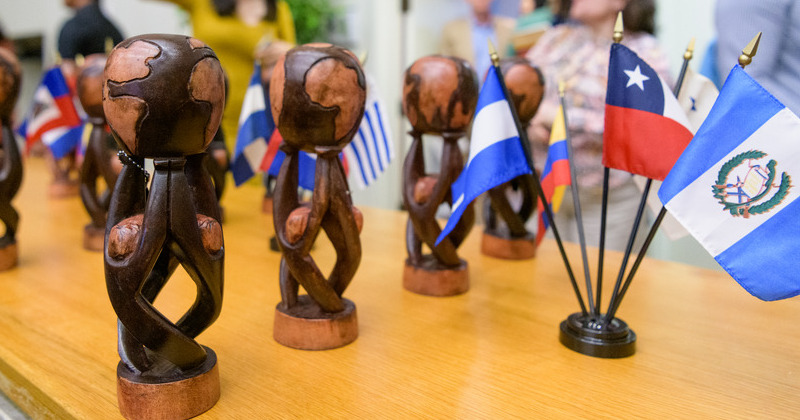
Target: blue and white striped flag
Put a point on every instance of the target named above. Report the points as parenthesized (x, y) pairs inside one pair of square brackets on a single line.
[(372, 148), (732, 188), (495, 152), (255, 128)]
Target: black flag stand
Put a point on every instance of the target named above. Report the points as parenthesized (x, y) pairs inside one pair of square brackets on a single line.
[(604, 335)]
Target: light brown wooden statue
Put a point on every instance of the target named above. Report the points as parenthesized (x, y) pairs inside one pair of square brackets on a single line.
[(163, 97), (100, 160), (10, 159), (317, 95), (439, 98), (505, 235)]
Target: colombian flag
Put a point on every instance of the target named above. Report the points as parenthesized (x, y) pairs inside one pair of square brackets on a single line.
[(555, 175)]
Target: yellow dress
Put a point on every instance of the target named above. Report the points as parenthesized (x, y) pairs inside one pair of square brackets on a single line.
[(235, 42)]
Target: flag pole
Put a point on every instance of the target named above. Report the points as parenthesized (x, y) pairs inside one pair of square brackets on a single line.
[(617, 37), (576, 201), (744, 59), (526, 147), (613, 303)]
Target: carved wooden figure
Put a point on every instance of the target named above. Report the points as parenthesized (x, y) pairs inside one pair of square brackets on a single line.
[(317, 95), (439, 98), (10, 159), (100, 159), (505, 235), (163, 97)]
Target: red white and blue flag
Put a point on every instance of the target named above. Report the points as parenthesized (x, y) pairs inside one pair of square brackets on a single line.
[(53, 117), (646, 129)]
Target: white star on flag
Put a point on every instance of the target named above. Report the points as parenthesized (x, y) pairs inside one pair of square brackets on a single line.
[(635, 77)]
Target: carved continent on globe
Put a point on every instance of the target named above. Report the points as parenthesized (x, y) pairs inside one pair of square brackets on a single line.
[(163, 95), (440, 94), (90, 85), (525, 83), (323, 90)]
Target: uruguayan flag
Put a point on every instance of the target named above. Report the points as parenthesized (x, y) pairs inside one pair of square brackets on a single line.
[(372, 149), (495, 152), (255, 128), (732, 188)]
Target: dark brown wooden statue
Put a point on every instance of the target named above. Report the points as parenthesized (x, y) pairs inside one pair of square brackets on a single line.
[(100, 160), (505, 235), (163, 97), (439, 98), (10, 160), (317, 95)]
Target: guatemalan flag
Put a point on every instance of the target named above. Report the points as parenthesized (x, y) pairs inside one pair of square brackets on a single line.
[(372, 148), (645, 128), (495, 152), (53, 117), (732, 188), (255, 129)]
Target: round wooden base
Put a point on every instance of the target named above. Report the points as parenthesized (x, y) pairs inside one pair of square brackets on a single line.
[(593, 336), (64, 189), (190, 395), (93, 238), (306, 327), (436, 281), (508, 248), (8, 257)]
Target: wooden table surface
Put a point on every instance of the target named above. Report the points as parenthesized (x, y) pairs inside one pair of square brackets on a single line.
[(706, 348)]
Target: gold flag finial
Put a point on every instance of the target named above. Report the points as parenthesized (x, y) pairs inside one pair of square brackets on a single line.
[(618, 28), (109, 45), (493, 54), (79, 60), (687, 55), (562, 87), (362, 58), (749, 51)]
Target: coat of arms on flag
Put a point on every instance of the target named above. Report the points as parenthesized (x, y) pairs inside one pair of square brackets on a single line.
[(732, 188), (53, 117)]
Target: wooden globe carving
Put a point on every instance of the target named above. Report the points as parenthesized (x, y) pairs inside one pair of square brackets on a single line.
[(163, 95), (10, 80), (440, 94), (90, 85), (317, 94), (525, 83)]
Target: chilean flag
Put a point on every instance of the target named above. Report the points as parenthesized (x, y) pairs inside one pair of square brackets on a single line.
[(646, 129)]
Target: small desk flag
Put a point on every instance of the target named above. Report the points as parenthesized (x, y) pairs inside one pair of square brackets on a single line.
[(645, 128), (53, 117), (495, 152), (555, 175), (255, 129), (732, 188), (372, 148)]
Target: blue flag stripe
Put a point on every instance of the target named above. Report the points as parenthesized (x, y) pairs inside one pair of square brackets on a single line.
[(556, 152), (387, 156), (374, 141), (758, 262)]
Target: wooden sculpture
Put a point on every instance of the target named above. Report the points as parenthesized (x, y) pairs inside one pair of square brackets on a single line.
[(505, 235), (100, 159), (317, 95), (439, 97), (163, 97), (10, 159)]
